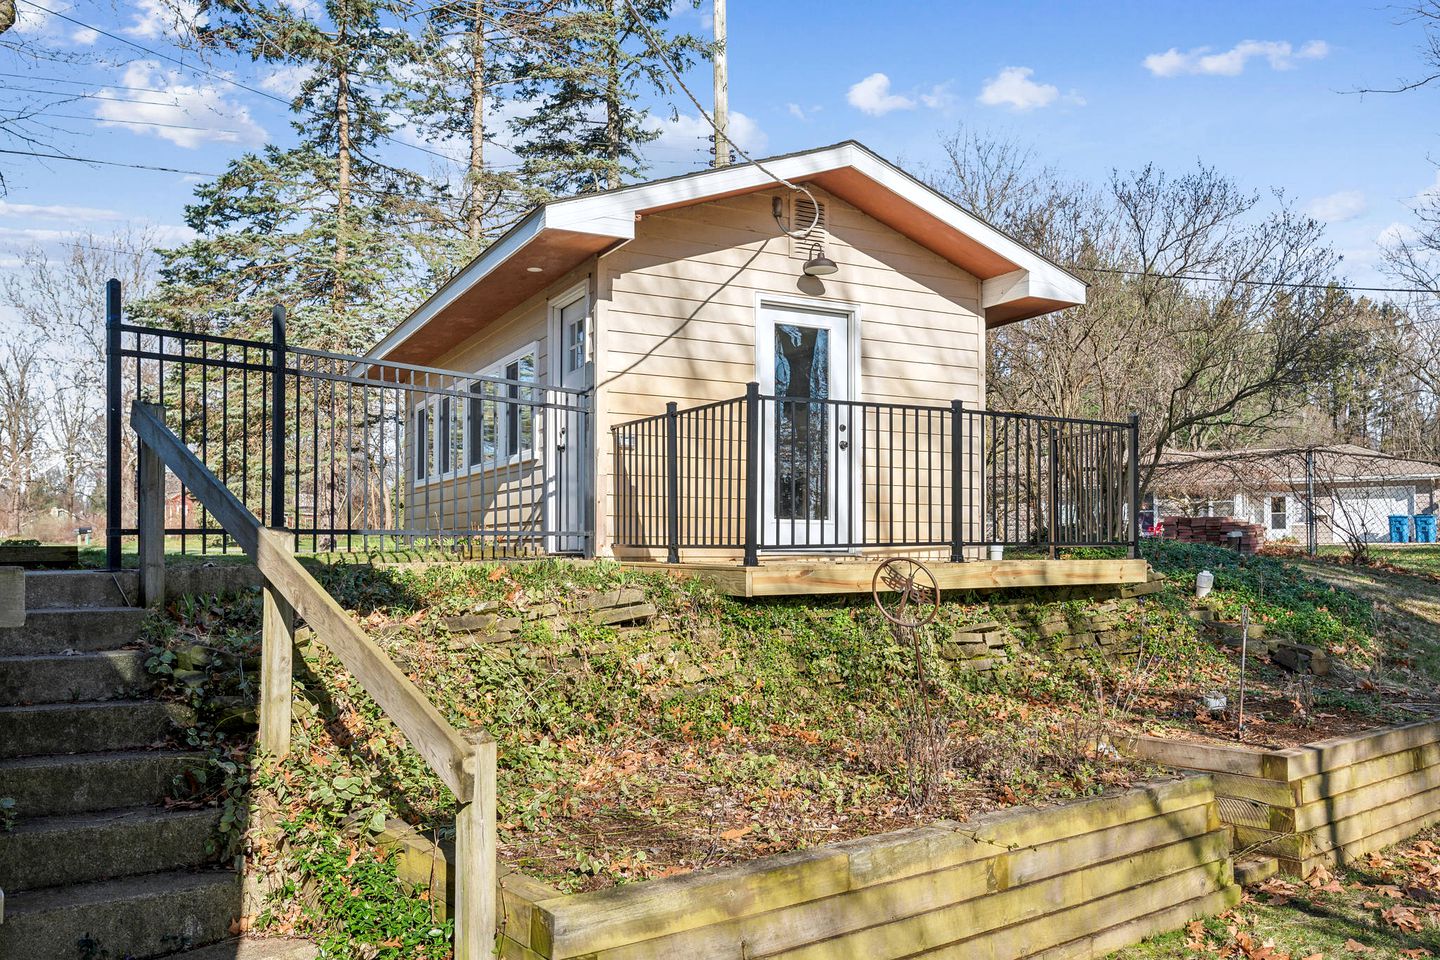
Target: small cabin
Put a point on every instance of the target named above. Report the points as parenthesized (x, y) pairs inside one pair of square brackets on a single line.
[(766, 359)]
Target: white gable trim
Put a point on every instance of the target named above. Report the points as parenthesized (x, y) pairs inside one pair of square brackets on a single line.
[(612, 214)]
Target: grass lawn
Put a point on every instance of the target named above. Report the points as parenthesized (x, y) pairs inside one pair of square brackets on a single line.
[(1386, 908), (1419, 558)]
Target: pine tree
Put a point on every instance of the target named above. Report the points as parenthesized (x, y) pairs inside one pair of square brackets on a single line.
[(326, 227), (465, 73), (589, 124)]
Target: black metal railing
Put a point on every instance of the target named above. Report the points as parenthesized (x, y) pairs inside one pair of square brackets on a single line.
[(760, 473), (350, 453)]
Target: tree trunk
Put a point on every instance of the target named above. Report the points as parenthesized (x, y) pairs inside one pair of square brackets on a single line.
[(612, 101), (342, 191), (474, 227)]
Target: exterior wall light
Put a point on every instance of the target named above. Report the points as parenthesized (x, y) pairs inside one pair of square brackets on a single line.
[(819, 265)]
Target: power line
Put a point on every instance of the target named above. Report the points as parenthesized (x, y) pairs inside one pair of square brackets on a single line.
[(141, 123), (216, 76), (1294, 285), (108, 163), (110, 86), (69, 95)]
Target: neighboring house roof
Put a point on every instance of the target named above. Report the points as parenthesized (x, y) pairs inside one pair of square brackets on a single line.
[(1217, 471), (1017, 282)]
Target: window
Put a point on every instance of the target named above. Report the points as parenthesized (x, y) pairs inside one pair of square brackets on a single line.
[(572, 330), (1279, 513), (500, 420), (422, 442)]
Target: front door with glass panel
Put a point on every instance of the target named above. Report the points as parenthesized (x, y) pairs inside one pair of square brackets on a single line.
[(570, 480), (803, 360)]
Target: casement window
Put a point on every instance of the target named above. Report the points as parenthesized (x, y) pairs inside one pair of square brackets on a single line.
[(494, 427), (500, 419)]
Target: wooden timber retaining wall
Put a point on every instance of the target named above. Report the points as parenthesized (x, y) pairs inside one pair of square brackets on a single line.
[(1326, 802), (1071, 881)]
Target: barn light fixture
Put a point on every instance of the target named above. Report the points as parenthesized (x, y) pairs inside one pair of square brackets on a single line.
[(819, 265)]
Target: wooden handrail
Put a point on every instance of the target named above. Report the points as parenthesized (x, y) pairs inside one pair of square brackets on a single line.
[(464, 761)]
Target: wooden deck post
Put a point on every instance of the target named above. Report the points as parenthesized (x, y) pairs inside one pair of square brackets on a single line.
[(476, 876), (277, 651), (151, 522)]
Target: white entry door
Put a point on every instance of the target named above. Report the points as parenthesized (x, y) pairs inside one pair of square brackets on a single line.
[(1364, 513), (803, 359), (569, 502)]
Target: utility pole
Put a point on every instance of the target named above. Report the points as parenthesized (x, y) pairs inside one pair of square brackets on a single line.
[(722, 89)]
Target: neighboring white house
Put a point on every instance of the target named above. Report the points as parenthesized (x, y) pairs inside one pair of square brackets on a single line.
[(1356, 489)]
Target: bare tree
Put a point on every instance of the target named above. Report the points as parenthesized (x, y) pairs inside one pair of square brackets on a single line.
[(21, 423)]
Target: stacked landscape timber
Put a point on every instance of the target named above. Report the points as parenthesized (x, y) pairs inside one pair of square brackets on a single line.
[(1327, 802), (1072, 881), (1221, 531), (494, 622), (34, 555)]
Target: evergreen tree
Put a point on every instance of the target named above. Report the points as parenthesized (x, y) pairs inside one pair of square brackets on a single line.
[(326, 227), (589, 123)]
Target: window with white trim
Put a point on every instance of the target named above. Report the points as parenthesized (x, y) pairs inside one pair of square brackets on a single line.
[(1279, 513), (500, 420)]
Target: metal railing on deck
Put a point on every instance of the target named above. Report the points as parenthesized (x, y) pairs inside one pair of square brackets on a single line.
[(760, 473), (350, 453)]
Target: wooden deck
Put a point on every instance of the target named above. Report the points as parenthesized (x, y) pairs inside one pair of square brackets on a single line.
[(781, 578)]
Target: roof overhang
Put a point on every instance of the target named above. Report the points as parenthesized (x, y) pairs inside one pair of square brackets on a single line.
[(1017, 282)]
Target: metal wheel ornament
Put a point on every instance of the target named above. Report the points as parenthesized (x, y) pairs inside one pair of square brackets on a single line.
[(906, 592)]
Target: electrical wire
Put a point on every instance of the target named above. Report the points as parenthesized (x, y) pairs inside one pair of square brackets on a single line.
[(659, 52), (1293, 285), (141, 123), (108, 163)]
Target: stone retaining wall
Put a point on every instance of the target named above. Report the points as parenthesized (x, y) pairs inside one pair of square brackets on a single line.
[(1330, 801), (1071, 881)]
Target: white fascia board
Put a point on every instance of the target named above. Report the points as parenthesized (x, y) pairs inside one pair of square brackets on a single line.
[(1042, 281)]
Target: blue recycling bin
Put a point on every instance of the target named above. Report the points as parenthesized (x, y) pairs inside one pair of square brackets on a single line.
[(1399, 528), (1425, 528)]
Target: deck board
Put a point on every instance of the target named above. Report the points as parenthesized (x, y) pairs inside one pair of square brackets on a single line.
[(815, 577)]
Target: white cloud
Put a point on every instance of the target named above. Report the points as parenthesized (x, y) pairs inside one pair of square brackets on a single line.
[(1396, 233), (39, 211), (203, 106), (872, 95), (689, 132), (803, 114), (1013, 88), (286, 81), (85, 36), (1432, 192), (157, 19), (1230, 63), (940, 97), (32, 20), (1338, 207)]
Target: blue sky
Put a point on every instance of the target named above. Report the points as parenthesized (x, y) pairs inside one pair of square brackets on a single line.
[(1262, 90)]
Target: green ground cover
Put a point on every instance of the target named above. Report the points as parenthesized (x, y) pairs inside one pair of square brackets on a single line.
[(722, 731)]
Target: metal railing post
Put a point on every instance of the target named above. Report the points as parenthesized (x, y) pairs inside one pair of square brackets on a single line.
[(672, 482), (113, 413), (957, 468), (752, 473), (1054, 510), (150, 515), (277, 418), (1134, 486)]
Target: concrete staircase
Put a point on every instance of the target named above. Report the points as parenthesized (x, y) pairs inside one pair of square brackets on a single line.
[(96, 866)]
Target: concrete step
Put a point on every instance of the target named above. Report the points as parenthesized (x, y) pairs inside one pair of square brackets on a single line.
[(55, 786), (73, 629), (55, 677), (134, 917), (84, 847), (51, 589), (254, 948), (47, 728)]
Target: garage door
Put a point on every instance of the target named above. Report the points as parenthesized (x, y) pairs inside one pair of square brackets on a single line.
[(1365, 514)]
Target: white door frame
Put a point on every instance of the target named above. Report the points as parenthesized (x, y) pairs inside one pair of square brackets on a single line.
[(556, 350), (765, 376)]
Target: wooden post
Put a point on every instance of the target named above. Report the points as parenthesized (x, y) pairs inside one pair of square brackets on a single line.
[(476, 876), (151, 508), (277, 650)]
